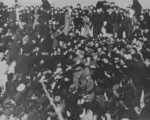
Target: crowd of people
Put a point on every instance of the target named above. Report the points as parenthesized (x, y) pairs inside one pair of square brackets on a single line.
[(75, 63)]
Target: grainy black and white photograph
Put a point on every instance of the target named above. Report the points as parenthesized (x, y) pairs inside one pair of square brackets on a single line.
[(74, 59)]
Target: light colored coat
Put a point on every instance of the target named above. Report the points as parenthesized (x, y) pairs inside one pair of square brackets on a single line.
[(68, 22)]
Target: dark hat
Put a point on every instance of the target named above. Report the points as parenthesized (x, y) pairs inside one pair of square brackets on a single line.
[(109, 92), (47, 75), (79, 4), (98, 90), (10, 76)]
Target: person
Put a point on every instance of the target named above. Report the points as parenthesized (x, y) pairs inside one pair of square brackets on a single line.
[(78, 22), (9, 85), (36, 17), (98, 22), (86, 25), (68, 21), (12, 19), (138, 74), (46, 5)]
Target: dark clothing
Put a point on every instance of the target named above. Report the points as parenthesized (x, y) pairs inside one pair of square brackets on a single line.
[(78, 22), (12, 20), (62, 20), (46, 5), (143, 25), (137, 71), (137, 7), (98, 23), (30, 19)]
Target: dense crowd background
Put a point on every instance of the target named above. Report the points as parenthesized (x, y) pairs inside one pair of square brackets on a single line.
[(94, 62)]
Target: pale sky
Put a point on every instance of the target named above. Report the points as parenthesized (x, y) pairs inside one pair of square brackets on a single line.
[(61, 3)]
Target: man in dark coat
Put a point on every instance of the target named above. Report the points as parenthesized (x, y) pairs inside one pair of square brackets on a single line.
[(46, 5), (9, 85), (98, 22), (24, 16), (137, 71), (57, 17), (62, 19), (137, 7), (4, 15), (30, 18), (12, 20), (143, 24), (78, 22), (1, 4)]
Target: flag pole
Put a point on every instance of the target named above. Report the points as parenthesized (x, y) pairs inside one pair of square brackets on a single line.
[(51, 101)]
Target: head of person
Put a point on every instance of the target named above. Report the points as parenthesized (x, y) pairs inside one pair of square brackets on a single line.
[(142, 17), (41, 9), (98, 10), (35, 11), (57, 100), (78, 5)]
